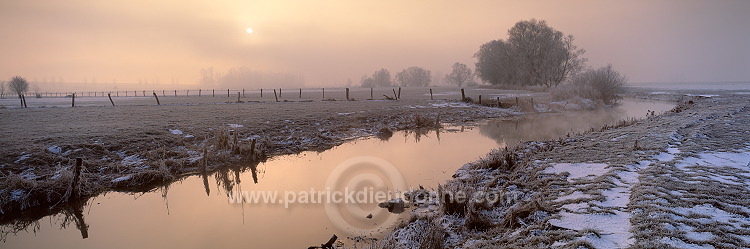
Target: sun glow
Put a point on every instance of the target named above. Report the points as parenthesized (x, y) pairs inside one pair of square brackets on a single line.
[(249, 30)]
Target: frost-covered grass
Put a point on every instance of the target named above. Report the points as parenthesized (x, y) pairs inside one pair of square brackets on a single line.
[(678, 180)]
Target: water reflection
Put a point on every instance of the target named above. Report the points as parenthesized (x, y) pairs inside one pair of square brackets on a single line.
[(554, 125)]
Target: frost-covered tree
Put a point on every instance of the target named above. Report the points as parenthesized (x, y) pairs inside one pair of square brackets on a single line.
[(603, 83), (380, 78), (460, 74), (18, 84), (414, 76), (2, 89), (534, 54)]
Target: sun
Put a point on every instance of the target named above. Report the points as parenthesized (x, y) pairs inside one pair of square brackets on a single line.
[(249, 30)]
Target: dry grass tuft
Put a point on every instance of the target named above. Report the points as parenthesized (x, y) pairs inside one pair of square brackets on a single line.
[(505, 160), (514, 216), (421, 122), (475, 218)]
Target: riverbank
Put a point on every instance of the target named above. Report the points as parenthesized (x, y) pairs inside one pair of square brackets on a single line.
[(135, 147), (674, 180)]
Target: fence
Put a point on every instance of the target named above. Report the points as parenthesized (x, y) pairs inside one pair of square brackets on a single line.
[(265, 95)]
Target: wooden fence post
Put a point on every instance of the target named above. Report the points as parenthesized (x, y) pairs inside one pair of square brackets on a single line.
[(261, 92), (238, 97), (110, 99), (399, 93), (144, 93), (175, 93), (300, 93), (498, 102), (347, 94), (324, 93), (279, 91), (213, 92), (480, 99), (395, 97), (227, 93), (20, 97), (243, 92), (276, 96), (157, 99), (463, 95), (73, 104), (76, 177), (371, 97), (431, 94)]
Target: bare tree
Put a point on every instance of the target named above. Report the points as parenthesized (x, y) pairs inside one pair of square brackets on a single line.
[(603, 83), (18, 85), (380, 78), (414, 76), (534, 54), (460, 74)]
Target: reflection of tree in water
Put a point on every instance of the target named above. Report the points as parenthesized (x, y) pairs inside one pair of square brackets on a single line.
[(65, 215), (549, 126)]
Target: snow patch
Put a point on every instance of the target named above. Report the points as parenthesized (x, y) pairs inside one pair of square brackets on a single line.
[(613, 233), (451, 104), (176, 132), (578, 170), (235, 125), (54, 149), (678, 243), (132, 160), (667, 156), (122, 178), (22, 157)]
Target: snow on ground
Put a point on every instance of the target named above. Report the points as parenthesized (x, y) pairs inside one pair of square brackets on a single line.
[(132, 160), (609, 219), (451, 104), (235, 125), (176, 132), (578, 170), (22, 157), (692, 226), (54, 149)]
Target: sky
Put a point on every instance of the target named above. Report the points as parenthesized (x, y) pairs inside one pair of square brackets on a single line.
[(60, 44)]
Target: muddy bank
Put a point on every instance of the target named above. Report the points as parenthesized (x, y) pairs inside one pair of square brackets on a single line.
[(673, 180)]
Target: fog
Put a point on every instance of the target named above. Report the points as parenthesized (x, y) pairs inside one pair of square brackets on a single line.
[(99, 45)]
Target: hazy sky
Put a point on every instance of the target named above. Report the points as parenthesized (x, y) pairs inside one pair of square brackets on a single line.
[(331, 41)]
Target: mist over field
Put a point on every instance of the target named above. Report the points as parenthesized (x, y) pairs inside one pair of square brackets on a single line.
[(374, 124), (92, 45)]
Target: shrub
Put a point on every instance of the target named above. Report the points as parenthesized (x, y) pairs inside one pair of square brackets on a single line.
[(603, 84)]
